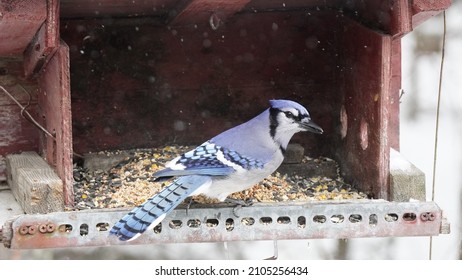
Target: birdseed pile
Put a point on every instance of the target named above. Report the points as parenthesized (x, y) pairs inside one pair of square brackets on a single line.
[(130, 182)]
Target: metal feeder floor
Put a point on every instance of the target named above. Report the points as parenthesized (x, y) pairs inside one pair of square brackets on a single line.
[(310, 220)]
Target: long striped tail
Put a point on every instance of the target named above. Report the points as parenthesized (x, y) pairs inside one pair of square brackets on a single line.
[(153, 211)]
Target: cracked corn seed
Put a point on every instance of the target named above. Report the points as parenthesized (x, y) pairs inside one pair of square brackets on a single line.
[(130, 183)]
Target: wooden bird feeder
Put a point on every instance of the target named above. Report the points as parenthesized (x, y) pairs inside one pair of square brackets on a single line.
[(102, 75)]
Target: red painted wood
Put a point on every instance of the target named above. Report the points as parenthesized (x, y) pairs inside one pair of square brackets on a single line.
[(367, 85), (136, 85), (422, 10), (156, 86), (290, 5), (19, 21), (16, 133), (55, 109), (394, 94), (115, 8), (45, 43), (389, 16), (214, 11), (137, 82)]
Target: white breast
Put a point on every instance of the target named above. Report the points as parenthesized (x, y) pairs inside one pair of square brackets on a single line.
[(239, 181)]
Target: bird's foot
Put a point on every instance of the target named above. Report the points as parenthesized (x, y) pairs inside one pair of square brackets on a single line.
[(239, 203), (247, 202)]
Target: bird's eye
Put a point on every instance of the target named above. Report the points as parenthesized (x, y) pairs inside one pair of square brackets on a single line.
[(289, 115)]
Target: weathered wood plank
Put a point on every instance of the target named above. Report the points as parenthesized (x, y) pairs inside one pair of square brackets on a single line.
[(294, 153), (19, 21), (34, 184), (115, 8), (368, 128), (103, 162), (203, 10), (45, 43), (181, 87), (407, 182), (328, 169), (17, 133), (54, 102), (423, 10)]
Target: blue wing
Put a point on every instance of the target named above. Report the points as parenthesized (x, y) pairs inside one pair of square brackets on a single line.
[(208, 159), (154, 210)]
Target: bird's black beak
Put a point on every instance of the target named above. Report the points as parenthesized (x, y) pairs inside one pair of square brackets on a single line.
[(311, 126)]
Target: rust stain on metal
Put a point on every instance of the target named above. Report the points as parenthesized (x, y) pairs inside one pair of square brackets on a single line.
[(50, 228), (23, 230), (43, 228), (31, 229)]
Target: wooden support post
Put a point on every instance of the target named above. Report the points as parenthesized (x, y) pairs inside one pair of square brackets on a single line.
[(34, 184), (407, 182), (54, 101), (367, 126), (45, 42)]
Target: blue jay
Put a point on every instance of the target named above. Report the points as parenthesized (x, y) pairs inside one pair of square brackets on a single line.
[(230, 162)]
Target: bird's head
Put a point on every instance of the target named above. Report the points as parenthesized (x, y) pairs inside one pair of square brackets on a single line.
[(288, 117)]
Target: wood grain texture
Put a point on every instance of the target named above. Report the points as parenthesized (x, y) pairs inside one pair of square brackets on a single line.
[(34, 184), (45, 42), (201, 10), (19, 21), (55, 108)]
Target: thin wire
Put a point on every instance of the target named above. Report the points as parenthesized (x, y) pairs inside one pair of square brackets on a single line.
[(26, 115), (29, 117), (435, 153)]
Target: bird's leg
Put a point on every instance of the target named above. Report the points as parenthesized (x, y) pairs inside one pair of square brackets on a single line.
[(189, 200), (239, 203)]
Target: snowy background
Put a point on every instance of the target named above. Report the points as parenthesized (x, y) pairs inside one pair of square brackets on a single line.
[(421, 63)]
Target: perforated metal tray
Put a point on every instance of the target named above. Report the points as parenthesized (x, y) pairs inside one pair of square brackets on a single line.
[(309, 220)]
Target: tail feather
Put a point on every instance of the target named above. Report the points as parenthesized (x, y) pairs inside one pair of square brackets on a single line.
[(153, 211)]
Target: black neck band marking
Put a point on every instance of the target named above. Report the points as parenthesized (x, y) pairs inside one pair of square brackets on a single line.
[(273, 125), (273, 121), (282, 149)]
